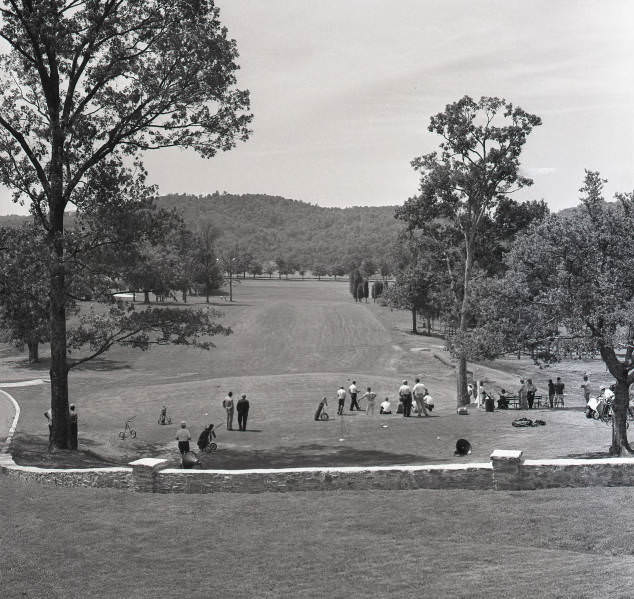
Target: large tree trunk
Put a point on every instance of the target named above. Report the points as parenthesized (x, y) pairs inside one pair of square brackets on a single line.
[(461, 382), (34, 353), (461, 397), (59, 368), (619, 421), (621, 399), (414, 329), (146, 297)]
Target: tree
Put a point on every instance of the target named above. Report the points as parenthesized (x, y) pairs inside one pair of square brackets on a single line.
[(269, 268), (319, 270), (24, 304), (356, 284), (337, 270), (207, 269), (576, 272), (84, 84), (478, 165), (367, 268), (255, 268)]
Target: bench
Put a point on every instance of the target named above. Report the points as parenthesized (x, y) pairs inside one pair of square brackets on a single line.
[(539, 402)]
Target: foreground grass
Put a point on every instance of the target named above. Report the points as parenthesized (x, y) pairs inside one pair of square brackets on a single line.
[(99, 543)]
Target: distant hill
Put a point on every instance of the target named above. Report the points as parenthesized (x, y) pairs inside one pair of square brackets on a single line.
[(272, 226)]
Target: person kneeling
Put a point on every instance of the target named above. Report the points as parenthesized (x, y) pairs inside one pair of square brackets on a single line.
[(386, 407)]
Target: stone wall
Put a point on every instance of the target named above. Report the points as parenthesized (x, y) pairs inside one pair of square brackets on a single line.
[(506, 470), (448, 476), (117, 478)]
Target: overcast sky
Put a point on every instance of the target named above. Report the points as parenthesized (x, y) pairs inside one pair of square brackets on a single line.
[(342, 92)]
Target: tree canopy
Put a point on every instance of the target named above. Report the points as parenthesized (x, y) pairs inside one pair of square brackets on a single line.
[(85, 87), (461, 185), (574, 271)]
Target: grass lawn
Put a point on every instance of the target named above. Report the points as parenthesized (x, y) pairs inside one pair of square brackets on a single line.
[(67, 543), (293, 343)]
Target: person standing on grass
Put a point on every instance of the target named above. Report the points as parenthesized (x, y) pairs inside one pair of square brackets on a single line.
[(243, 412), (227, 404), (551, 392), (341, 397), (183, 437), (49, 420), (559, 391), (353, 397), (370, 397), (419, 392), (530, 393), (405, 395), (586, 388), (73, 418)]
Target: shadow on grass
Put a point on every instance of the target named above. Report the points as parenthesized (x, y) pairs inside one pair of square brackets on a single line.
[(32, 450), (311, 455), (103, 365)]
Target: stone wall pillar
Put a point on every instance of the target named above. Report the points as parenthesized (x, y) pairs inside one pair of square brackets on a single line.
[(507, 469), (145, 473)]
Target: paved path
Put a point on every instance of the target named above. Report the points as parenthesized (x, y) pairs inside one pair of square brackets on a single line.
[(8, 408)]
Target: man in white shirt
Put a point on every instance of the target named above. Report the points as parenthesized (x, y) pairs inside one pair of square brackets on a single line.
[(369, 396), (386, 407), (341, 396), (353, 396), (419, 392), (405, 395)]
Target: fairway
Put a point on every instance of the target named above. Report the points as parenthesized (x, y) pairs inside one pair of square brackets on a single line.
[(293, 342)]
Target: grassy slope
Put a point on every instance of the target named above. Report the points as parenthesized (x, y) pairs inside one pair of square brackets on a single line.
[(293, 342), (556, 543)]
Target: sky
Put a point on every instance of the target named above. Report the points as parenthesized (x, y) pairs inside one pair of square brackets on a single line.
[(342, 92)]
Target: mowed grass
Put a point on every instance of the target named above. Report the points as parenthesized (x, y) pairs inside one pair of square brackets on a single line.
[(293, 343), (67, 543)]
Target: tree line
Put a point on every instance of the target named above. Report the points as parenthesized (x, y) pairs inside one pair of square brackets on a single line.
[(503, 275)]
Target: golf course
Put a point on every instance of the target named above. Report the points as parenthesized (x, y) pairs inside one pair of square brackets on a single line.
[(294, 342)]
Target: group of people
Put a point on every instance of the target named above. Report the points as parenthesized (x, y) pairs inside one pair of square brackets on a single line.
[(241, 407), (183, 437), (407, 395), (73, 418)]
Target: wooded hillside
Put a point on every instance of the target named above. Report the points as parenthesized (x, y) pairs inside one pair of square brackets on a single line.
[(272, 226)]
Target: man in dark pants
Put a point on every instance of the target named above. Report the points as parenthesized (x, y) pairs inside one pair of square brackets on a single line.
[(405, 395), (353, 396), (242, 408)]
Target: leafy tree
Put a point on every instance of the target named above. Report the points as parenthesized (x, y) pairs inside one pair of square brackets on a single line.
[(319, 270), (255, 268), (207, 270), (385, 269), (269, 268), (575, 271), (337, 270), (477, 165), (24, 303), (368, 268), (356, 284), (84, 83)]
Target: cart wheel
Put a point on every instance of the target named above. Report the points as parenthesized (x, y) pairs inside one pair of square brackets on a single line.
[(169, 420), (122, 435), (213, 447), (159, 421), (132, 433), (324, 416)]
